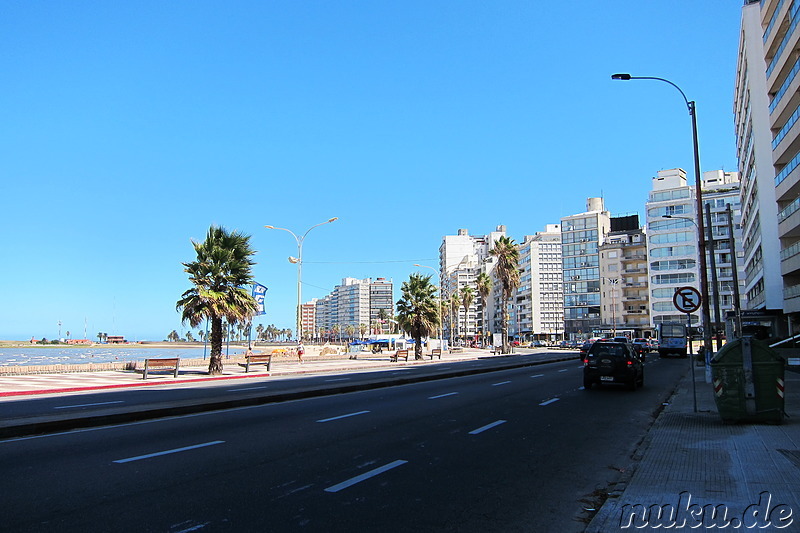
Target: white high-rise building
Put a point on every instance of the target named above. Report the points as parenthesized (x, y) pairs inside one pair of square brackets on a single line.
[(539, 302)]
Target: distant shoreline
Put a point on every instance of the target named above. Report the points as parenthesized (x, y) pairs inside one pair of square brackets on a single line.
[(28, 344)]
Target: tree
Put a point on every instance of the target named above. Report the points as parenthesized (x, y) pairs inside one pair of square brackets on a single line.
[(467, 295), (335, 330), (484, 283), (416, 309), (350, 330), (219, 274), (507, 271), (455, 303), (202, 335), (259, 331), (189, 336), (173, 336), (362, 330)]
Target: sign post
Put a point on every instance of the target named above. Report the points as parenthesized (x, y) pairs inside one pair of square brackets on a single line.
[(688, 300)]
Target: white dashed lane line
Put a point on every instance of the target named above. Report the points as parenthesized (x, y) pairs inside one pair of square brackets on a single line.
[(548, 402), (486, 427), (538, 376), (442, 395), (167, 452), (343, 416), (501, 383), (563, 369), (366, 475)]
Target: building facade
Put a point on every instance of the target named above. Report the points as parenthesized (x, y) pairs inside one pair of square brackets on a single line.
[(581, 236), (539, 302)]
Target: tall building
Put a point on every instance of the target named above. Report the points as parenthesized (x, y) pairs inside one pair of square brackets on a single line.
[(763, 285), (461, 258), (768, 72), (539, 302), (623, 279), (672, 237), (581, 236), (356, 302)]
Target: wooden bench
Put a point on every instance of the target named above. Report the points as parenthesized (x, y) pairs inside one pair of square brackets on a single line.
[(152, 364), (436, 352), (456, 349), (398, 354), (257, 360)]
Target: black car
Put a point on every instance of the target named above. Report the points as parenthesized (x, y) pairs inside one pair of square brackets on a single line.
[(612, 362)]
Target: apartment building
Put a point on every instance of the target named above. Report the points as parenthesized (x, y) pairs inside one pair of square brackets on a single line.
[(539, 301), (763, 284), (672, 237), (461, 258), (623, 280), (581, 236), (354, 302), (768, 70)]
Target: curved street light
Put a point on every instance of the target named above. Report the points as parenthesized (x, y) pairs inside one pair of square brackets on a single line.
[(701, 244), (299, 262)]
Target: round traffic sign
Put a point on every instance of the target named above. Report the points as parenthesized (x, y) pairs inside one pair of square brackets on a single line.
[(687, 299)]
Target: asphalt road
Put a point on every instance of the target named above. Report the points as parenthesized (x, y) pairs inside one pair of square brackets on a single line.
[(513, 450)]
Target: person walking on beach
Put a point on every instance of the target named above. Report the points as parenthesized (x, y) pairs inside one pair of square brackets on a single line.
[(300, 351)]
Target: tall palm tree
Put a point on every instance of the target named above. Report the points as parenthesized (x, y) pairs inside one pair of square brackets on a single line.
[(362, 330), (416, 309), (350, 330), (335, 330), (455, 303), (484, 283), (507, 271), (220, 274), (467, 296)]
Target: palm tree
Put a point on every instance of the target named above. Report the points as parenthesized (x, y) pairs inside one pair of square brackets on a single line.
[(259, 331), (467, 295), (219, 274), (455, 303), (335, 330), (507, 271), (362, 330), (484, 283), (416, 309), (350, 330)]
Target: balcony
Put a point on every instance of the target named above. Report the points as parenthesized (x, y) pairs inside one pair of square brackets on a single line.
[(636, 270), (634, 257)]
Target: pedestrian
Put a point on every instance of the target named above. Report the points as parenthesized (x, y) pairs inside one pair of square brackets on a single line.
[(300, 351), (249, 352)]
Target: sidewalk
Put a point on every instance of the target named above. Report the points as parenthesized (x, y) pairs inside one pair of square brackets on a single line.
[(690, 460)]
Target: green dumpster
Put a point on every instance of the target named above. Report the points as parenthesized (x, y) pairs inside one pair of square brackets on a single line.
[(748, 379)]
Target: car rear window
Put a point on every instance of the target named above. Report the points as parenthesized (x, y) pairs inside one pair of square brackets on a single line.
[(607, 349)]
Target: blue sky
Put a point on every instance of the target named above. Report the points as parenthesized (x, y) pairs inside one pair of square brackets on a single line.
[(127, 129)]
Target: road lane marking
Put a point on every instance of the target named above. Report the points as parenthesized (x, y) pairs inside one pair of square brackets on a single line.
[(548, 402), (343, 416), (563, 369), (442, 395), (248, 388), (501, 383), (86, 405), (167, 452), (337, 379), (487, 426), (537, 376), (366, 475)]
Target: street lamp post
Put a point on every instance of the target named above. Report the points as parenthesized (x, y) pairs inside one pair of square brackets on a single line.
[(438, 307), (701, 245), (299, 262)]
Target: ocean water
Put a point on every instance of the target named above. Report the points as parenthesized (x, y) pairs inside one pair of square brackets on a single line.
[(31, 356)]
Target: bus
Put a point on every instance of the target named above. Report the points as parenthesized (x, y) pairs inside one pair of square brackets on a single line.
[(671, 339)]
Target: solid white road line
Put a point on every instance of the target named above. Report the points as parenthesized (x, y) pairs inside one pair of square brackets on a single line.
[(248, 388), (442, 395), (537, 376), (548, 402), (166, 452), (86, 405), (343, 416), (487, 426), (366, 475), (501, 383)]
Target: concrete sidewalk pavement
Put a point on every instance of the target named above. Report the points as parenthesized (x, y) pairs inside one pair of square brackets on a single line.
[(748, 473)]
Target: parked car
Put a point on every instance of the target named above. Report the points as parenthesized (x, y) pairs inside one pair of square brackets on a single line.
[(537, 344), (584, 349), (612, 363)]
